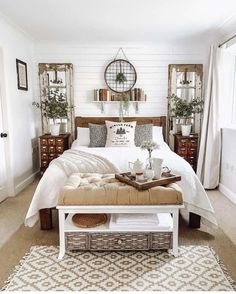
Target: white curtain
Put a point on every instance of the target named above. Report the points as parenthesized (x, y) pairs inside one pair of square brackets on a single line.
[(208, 169)]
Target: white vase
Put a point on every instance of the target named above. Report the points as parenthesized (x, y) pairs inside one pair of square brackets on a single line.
[(55, 129), (186, 130)]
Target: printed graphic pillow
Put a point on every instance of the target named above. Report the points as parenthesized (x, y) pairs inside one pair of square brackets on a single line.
[(120, 134)]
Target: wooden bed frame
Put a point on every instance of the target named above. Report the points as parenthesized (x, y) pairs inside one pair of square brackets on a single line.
[(46, 214)]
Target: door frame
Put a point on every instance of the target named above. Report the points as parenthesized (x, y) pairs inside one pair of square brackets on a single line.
[(6, 142)]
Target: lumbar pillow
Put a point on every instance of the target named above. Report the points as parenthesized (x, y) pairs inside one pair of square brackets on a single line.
[(82, 136), (120, 134), (143, 133), (98, 135)]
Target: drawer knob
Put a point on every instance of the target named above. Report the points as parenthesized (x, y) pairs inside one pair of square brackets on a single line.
[(119, 241)]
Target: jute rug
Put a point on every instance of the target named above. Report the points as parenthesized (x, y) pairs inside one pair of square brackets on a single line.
[(196, 268)]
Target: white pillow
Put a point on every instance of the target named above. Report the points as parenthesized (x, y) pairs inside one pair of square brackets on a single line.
[(120, 134), (157, 135), (82, 137)]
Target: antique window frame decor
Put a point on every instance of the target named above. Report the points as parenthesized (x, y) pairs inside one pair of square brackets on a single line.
[(22, 78), (57, 77)]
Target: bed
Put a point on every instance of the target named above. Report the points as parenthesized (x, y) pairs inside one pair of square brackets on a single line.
[(115, 159)]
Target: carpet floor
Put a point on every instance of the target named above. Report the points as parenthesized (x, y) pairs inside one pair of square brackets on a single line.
[(195, 269)]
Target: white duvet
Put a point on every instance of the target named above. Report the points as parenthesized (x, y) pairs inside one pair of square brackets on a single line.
[(110, 160)]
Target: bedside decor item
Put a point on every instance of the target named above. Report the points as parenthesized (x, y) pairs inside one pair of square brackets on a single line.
[(85, 220), (56, 80), (120, 134), (120, 75), (185, 82), (184, 110), (22, 79)]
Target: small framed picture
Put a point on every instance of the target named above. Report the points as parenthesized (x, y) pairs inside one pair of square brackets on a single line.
[(22, 79)]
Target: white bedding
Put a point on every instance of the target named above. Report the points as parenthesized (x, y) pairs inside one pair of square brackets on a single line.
[(111, 160)]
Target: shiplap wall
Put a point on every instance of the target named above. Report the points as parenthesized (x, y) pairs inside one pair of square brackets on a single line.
[(89, 63)]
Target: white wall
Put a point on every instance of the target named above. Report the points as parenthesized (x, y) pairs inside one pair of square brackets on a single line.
[(151, 63), (228, 164), (20, 116)]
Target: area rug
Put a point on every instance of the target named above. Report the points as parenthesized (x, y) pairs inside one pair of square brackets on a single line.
[(196, 268)]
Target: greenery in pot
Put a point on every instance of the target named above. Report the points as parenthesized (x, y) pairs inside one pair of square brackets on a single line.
[(181, 108), (55, 106)]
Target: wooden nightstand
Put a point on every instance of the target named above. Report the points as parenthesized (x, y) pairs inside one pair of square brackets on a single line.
[(51, 147), (187, 147)]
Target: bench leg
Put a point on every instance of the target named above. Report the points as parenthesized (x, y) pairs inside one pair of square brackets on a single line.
[(45, 216), (175, 244), (62, 234)]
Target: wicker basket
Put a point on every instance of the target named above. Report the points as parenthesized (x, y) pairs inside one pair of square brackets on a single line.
[(118, 241)]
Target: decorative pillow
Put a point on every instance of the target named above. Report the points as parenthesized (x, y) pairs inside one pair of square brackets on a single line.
[(98, 135), (143, 133), (157, 135), (82, 136), (120, 134)]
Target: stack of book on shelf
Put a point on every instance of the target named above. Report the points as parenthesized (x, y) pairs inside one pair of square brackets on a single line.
[(140, 221), (136, 94)]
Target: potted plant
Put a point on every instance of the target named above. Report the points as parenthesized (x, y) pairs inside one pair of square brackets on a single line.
[(54, 107), (183, 110)]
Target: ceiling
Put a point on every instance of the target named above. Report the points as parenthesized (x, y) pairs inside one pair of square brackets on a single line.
[(86, 21)]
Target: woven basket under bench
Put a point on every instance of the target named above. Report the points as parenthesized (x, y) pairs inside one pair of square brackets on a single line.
[(118, 241)]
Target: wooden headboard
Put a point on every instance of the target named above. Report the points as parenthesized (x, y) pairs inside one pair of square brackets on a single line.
[(156, 121)]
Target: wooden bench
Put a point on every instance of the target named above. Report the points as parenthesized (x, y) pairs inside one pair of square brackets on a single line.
[(94, 193)]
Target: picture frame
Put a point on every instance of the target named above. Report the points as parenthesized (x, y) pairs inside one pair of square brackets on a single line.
[(22, 78)]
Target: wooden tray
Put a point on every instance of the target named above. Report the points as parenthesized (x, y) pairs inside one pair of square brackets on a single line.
[(167, 178)]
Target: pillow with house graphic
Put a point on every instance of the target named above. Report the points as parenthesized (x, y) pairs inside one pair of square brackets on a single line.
[(120, 134)]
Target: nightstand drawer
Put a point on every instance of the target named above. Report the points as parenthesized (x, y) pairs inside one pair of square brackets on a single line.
[(44, 163), (51, 157), (44, 149), (193, 143), (43, 142), (51, 141), (192, 151), (183, 151), (59, 149), (44, 156), (59, 142), (51, 149)]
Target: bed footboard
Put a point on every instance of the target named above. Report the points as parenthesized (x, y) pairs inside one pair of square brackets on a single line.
[(194, 220), (45, 216)]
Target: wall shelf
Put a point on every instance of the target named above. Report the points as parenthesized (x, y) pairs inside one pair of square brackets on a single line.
[(134, 103)]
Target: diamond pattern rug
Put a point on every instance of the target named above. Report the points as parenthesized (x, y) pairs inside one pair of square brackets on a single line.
[(196, 268)]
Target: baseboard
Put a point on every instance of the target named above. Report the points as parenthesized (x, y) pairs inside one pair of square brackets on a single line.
[(21, 186), (228, 193)]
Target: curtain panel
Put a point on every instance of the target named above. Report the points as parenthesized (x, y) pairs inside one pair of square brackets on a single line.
[(208, 169)]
